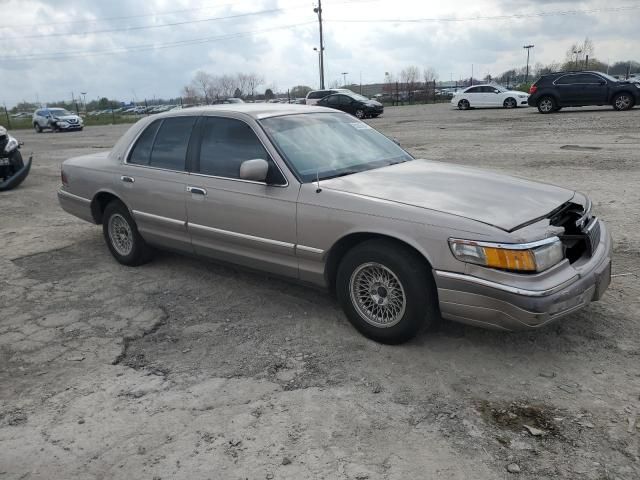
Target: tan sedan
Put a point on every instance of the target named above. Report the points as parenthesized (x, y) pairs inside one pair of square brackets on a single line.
[(323, 198)]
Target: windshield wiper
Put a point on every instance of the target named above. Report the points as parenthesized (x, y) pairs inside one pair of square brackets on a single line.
[(341, 174)]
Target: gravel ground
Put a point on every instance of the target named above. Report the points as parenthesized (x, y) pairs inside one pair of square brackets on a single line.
[(187, 369)]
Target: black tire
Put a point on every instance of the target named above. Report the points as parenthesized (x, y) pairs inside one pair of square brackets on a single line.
[(510, 103), (622, 101), (464, 104), (139, 252), (416, 308), (37, 127), (547, 105), (360, 113)]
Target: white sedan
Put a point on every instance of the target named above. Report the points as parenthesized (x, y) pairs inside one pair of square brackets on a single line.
[(489, 96)]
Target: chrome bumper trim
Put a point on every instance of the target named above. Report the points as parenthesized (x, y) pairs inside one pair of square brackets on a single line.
[(64, 193), (505, 288)]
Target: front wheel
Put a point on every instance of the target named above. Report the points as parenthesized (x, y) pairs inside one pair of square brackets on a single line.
[(547, 105), (622, 101), (464, 104), (510, 103), (387, 291), (360, 113), (121, 234), (37, 127)]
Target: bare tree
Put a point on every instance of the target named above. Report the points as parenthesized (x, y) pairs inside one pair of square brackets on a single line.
[(201, 82), (429, 74), (189, 94), (228, 85), (577, 52), (254, 81), (409, 78)]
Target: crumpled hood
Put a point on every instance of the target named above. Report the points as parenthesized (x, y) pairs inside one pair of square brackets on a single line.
[(500, 200)]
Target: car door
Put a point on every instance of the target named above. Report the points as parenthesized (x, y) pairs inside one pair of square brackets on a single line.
[(348, 104), (333, 101), (494, 97), (594, 89), (474, 96), (153, 181), (245, 222), (569, 90)]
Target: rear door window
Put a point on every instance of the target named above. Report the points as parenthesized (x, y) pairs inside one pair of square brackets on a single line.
[(170, 146), (473, 90), (567, 80), (142, 150)]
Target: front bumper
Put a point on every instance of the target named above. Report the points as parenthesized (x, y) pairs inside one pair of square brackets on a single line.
[(475, 301)]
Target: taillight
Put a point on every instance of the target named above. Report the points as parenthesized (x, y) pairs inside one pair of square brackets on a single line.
[(63, 178), (533, 89)]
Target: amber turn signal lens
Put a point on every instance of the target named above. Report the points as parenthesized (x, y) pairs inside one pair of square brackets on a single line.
[(521, 260)]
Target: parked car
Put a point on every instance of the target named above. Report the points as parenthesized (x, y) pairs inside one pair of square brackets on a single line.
[(552, 92), (319, 196), (354, 104), (480, 96), (315, 95), (56, 119)]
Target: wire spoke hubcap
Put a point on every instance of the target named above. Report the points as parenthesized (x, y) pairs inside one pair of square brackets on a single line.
[(377, 295), (120, 234)]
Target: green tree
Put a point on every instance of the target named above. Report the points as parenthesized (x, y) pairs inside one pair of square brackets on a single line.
[(268, 94)]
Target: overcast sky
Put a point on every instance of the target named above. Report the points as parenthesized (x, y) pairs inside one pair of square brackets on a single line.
[(51, 47)]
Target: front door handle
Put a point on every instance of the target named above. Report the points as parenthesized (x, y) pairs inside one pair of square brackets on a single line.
[(127, 179), (196, 190)]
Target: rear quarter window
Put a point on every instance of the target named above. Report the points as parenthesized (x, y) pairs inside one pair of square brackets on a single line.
[(141, 152)]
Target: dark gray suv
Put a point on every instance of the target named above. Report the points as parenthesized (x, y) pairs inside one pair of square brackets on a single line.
[(578, 89)]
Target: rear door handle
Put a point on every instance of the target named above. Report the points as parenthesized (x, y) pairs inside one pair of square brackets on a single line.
[(127, 179), (196, 190)]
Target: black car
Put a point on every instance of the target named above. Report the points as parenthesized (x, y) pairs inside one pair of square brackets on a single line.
[(353, 103), (578, 89)]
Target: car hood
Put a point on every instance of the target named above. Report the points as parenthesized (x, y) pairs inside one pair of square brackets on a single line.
[(67, 117), (499, 200), (373, 103)]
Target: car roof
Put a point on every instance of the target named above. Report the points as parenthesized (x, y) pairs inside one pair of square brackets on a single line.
[(254, 110)]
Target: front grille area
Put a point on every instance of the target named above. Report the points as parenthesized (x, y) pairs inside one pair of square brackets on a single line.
[(581, 231)]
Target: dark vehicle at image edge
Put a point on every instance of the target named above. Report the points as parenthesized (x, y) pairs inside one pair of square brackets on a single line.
[(580, 89), (355, 104)]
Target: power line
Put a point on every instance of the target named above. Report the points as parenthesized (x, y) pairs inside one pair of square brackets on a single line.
[(146, 27), (493, 17), (109, 19), (144, 47)]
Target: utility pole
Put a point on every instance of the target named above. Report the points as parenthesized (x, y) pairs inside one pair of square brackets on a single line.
[(318, 10), (472, 74), (528, 49), (319, 65), (577, 53), (344, 76)]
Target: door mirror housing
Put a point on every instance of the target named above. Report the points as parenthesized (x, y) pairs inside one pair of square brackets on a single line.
[(255, 170)]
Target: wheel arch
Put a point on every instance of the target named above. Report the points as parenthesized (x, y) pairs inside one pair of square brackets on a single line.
[(99, 203), (628, 92), (349, 241)]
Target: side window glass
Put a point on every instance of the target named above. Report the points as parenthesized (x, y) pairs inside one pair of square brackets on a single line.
[(170, 147), (142, 149), (226, 143), (345, 100), (473, 90), (566, 80), (333, 100), (588, 78)]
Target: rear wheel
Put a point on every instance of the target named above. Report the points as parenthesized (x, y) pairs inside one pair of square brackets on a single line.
[(622, 101), (547, 105), (464, 104), (386, 291), (121, 234), (510, 103)]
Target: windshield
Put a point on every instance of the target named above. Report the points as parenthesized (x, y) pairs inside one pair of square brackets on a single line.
[(362, 98), (59, 111), (331, 145), (608, 77)]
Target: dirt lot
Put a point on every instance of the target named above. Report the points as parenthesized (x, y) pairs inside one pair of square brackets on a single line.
[(187, 369)]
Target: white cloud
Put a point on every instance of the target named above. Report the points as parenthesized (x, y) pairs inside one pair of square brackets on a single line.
[(285, 57)]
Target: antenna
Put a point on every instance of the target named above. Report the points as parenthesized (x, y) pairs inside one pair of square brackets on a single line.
[(318, 189)]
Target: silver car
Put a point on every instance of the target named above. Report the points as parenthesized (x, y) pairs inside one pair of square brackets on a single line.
[(56, 119), (321, 197)]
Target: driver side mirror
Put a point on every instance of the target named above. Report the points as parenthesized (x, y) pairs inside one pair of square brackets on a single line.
[(255, 170)]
